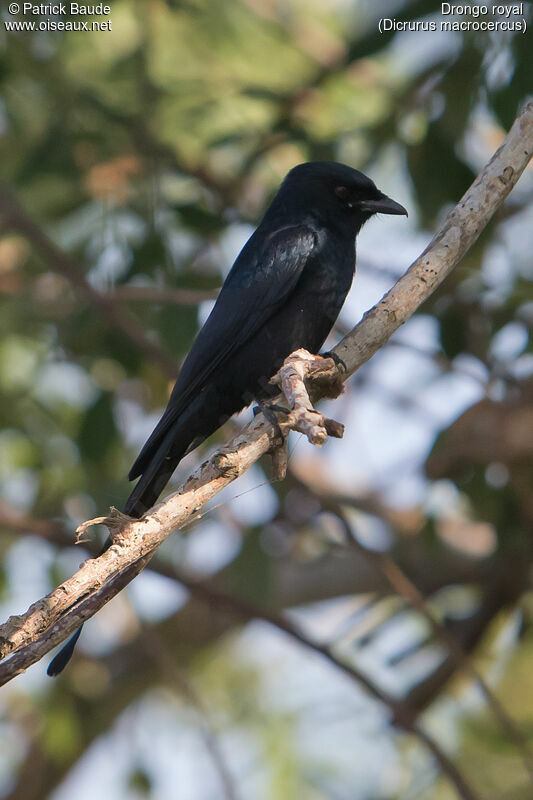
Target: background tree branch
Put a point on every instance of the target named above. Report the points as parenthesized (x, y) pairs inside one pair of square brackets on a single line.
[(14, 218)]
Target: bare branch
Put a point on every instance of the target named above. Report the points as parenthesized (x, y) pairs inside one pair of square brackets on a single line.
[(406, 588), (13, 217), (293, 582), (134, 541), (460, 230), (168, 295), (402, 715), (156, 647)]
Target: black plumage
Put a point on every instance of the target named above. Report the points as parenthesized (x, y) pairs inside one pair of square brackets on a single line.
[(284, 291)]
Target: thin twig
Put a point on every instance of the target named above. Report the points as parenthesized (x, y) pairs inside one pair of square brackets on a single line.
[(154, 294), (156, 648), (402, 716), (13, 217), (406, 588)]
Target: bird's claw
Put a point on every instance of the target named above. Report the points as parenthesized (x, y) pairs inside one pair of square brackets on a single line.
[(292, 376), (337, 359), (268, 408), (270, 412)]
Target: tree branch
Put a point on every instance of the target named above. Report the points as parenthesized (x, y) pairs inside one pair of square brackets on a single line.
[(154, 294), (402, 715), (14, 217), (292, 582), (51, 619), (157, 649), (405, 588), (459, 232), (29, 636)]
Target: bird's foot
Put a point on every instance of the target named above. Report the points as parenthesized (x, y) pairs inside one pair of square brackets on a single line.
[(291, 377), (278, 451), (270, 412), (269, 409), (339, 363), (329, 381)]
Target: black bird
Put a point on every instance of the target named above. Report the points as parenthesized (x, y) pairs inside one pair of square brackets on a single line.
[(284, 291)]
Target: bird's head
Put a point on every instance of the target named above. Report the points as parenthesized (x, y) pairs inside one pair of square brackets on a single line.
[(337, 192)]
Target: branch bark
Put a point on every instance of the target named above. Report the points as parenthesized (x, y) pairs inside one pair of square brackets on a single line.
[(459, 232)]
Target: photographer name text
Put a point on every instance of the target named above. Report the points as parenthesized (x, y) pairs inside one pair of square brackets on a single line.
[(54, 9)]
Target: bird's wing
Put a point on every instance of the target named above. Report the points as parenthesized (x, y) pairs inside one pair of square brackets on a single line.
[(260, 281)]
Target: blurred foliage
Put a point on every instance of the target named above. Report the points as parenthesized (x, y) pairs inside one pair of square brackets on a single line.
[(145, 153)]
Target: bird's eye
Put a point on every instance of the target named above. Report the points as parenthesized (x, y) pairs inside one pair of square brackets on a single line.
[(342, 192)]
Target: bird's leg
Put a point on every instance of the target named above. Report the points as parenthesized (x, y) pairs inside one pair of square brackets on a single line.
[(278, 452), (291, 377), (270, 411)]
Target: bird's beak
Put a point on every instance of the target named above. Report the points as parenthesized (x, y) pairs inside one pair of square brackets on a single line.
[(385, 205)]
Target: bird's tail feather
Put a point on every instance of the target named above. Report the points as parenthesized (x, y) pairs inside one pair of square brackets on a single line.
[(157, 473), (60, 661), (147, 490), (149, 487)]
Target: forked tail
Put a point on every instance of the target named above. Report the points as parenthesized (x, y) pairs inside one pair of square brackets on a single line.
[(144, 495)]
